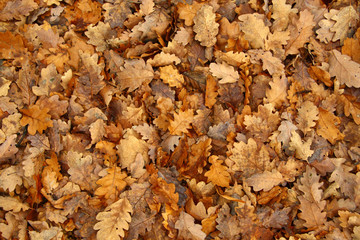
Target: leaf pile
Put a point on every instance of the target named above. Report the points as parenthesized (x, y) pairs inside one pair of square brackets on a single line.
[(179, 119)]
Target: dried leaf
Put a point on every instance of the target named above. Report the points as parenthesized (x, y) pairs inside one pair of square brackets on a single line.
[(265, 181), (188, 229), (327, 126), (301, 148), (217, 173), (205, 26), (37, 118), (114, 220), (345, 70), (181, 122), (225, 72)]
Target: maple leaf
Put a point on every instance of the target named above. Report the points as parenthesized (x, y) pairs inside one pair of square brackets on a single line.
[(37, 118), (225, 72), (327, 126), (302, 149), (217, 173), (114, 220), (188, 229), (205, 26), (265, 181), (181, 122), (170, 75), (345, 70), (311, 205), (248, 24), (134, 74), (112, 184)]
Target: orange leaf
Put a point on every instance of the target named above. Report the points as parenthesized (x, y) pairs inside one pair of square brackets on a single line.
[(218, 174), (37, 118), (328, 126), (181, 122)]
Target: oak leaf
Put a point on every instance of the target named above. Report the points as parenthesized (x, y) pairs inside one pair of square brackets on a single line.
[(9, 178), (351, 107), (114, 220), (278, 92), (163, 59), (164, 192), (345, 19), (8, 149), (352, 47), (281, 12), (170, 75), (188, 229), (112, 184), (285, 128), (301, 148), (181, 122), (16, 9), (218, 174), (13, 204), (211, 91), (327, 126), (134, 74), (248, 24), (205, 27), (300, 32), (187, 12), (98, 35), (265, 181), (129, 147), (311, 205), (116, 12), (345, 70), (38, 119), (225, 72), (308, 113), (249, 158)]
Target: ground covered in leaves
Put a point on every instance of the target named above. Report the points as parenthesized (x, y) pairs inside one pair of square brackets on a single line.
[(178, 119)]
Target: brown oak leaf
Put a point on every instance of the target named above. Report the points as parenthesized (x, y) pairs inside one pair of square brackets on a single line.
[(38, 119)]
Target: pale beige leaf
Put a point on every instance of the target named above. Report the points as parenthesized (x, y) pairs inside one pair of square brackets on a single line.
[(265, 181), (98, 35), (308, 113), (188, 230), (114, 220), (302, 149), (277, 94), (254, 28), (9, 178), (163, 59), (205, 26), (181, 122), (281, 12), (225, 72), (4, 86), (346, 19), (170, 75), (8, 149), (128, 148), (345, 70), (12, 204)]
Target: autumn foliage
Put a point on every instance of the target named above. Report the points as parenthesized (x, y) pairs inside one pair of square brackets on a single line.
[(179, 119)]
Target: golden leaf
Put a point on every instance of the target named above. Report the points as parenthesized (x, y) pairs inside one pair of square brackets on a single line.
[(181, 122), (206, 28), (218, 173), (112, 184), (114, 220), (170, 75), (328, 126), (37, 118)]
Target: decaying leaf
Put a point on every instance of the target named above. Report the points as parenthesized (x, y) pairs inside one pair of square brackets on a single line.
[(205, 26), (38, 119)]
